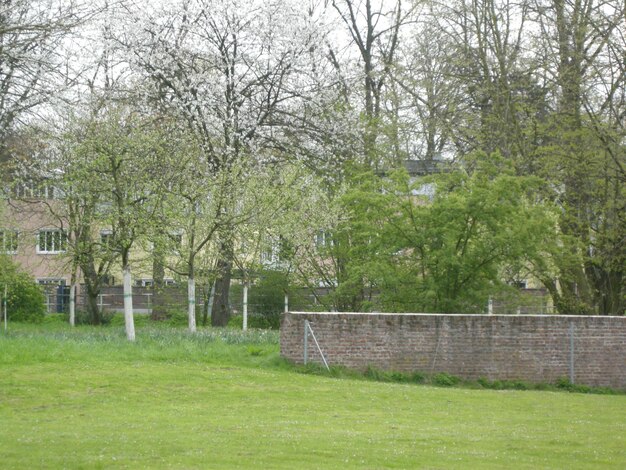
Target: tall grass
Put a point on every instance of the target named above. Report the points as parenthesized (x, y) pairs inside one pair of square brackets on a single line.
[(24, 344)]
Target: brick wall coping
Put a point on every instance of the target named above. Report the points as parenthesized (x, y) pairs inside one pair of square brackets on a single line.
[(458, 315)]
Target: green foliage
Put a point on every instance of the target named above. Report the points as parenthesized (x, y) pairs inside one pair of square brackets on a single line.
[(55, 319), (235, 321), (117, 319), (83, 317), (445, 380), (564, 384), (267, 295), (507, 384), (25, 299), (266, 300), (264, 322), (442, 243), (376, 374), (179, 317)]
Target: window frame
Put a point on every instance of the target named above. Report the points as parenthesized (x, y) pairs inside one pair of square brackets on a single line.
[(63, 239), (3, 242)]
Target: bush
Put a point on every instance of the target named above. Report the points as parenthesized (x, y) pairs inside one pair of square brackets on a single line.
[(55, 319), (82, 317), (117, 319), (445, 380), (266, 300), (235, 321), (261, 321), (179, 317), (26, 301)]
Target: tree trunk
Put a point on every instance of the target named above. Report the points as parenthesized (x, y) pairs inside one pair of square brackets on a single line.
[(93, 309), (208, 304), (92, 291), (128, 302), (158, 283), (191, 303), (221, 310)]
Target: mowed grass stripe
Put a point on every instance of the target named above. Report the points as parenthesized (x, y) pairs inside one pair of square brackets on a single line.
[(142, 411)]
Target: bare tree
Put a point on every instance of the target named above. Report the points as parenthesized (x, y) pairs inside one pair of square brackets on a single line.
[(31, 32), (374, 28)]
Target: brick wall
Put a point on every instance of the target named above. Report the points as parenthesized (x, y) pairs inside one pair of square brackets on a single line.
[(534, 348)]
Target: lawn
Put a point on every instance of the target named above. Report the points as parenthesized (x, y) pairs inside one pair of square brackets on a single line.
[(86, 398)]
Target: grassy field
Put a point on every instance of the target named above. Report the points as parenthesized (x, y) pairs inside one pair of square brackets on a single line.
[(86, 398)]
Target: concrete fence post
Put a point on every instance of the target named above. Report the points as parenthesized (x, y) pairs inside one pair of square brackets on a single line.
[(571, 352), (245, 307), (306, 341)]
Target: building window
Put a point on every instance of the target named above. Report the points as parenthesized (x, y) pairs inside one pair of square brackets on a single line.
[(267, 255), (50, 281), (106, 239), (276, 250), (8, 242), (32, 190), (144, 282), (52, 241), (323, 239)]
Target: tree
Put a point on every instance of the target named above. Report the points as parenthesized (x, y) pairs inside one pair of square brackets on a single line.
[(81, 211), (223, 69), (580, 156), (203, 206), (442, 243), (30, 35), (124, 151), (374, 29)]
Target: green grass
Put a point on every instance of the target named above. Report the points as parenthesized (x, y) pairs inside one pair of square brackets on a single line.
[(86, 398)]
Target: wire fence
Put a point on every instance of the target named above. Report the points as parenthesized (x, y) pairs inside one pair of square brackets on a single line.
[(265, 303)]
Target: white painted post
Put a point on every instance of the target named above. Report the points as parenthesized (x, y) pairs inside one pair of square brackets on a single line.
[(5, 307), (129, 320), (286, 303), (245, 307), (73, 304), (490, 306), (191, 306)]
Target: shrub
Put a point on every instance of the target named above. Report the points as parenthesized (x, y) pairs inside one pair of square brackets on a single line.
[(55, 318), (25, 299), (261, 321), (179, 317), (418, 378), (117, 319), (236, 322), (266, 299), (445, 380)]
